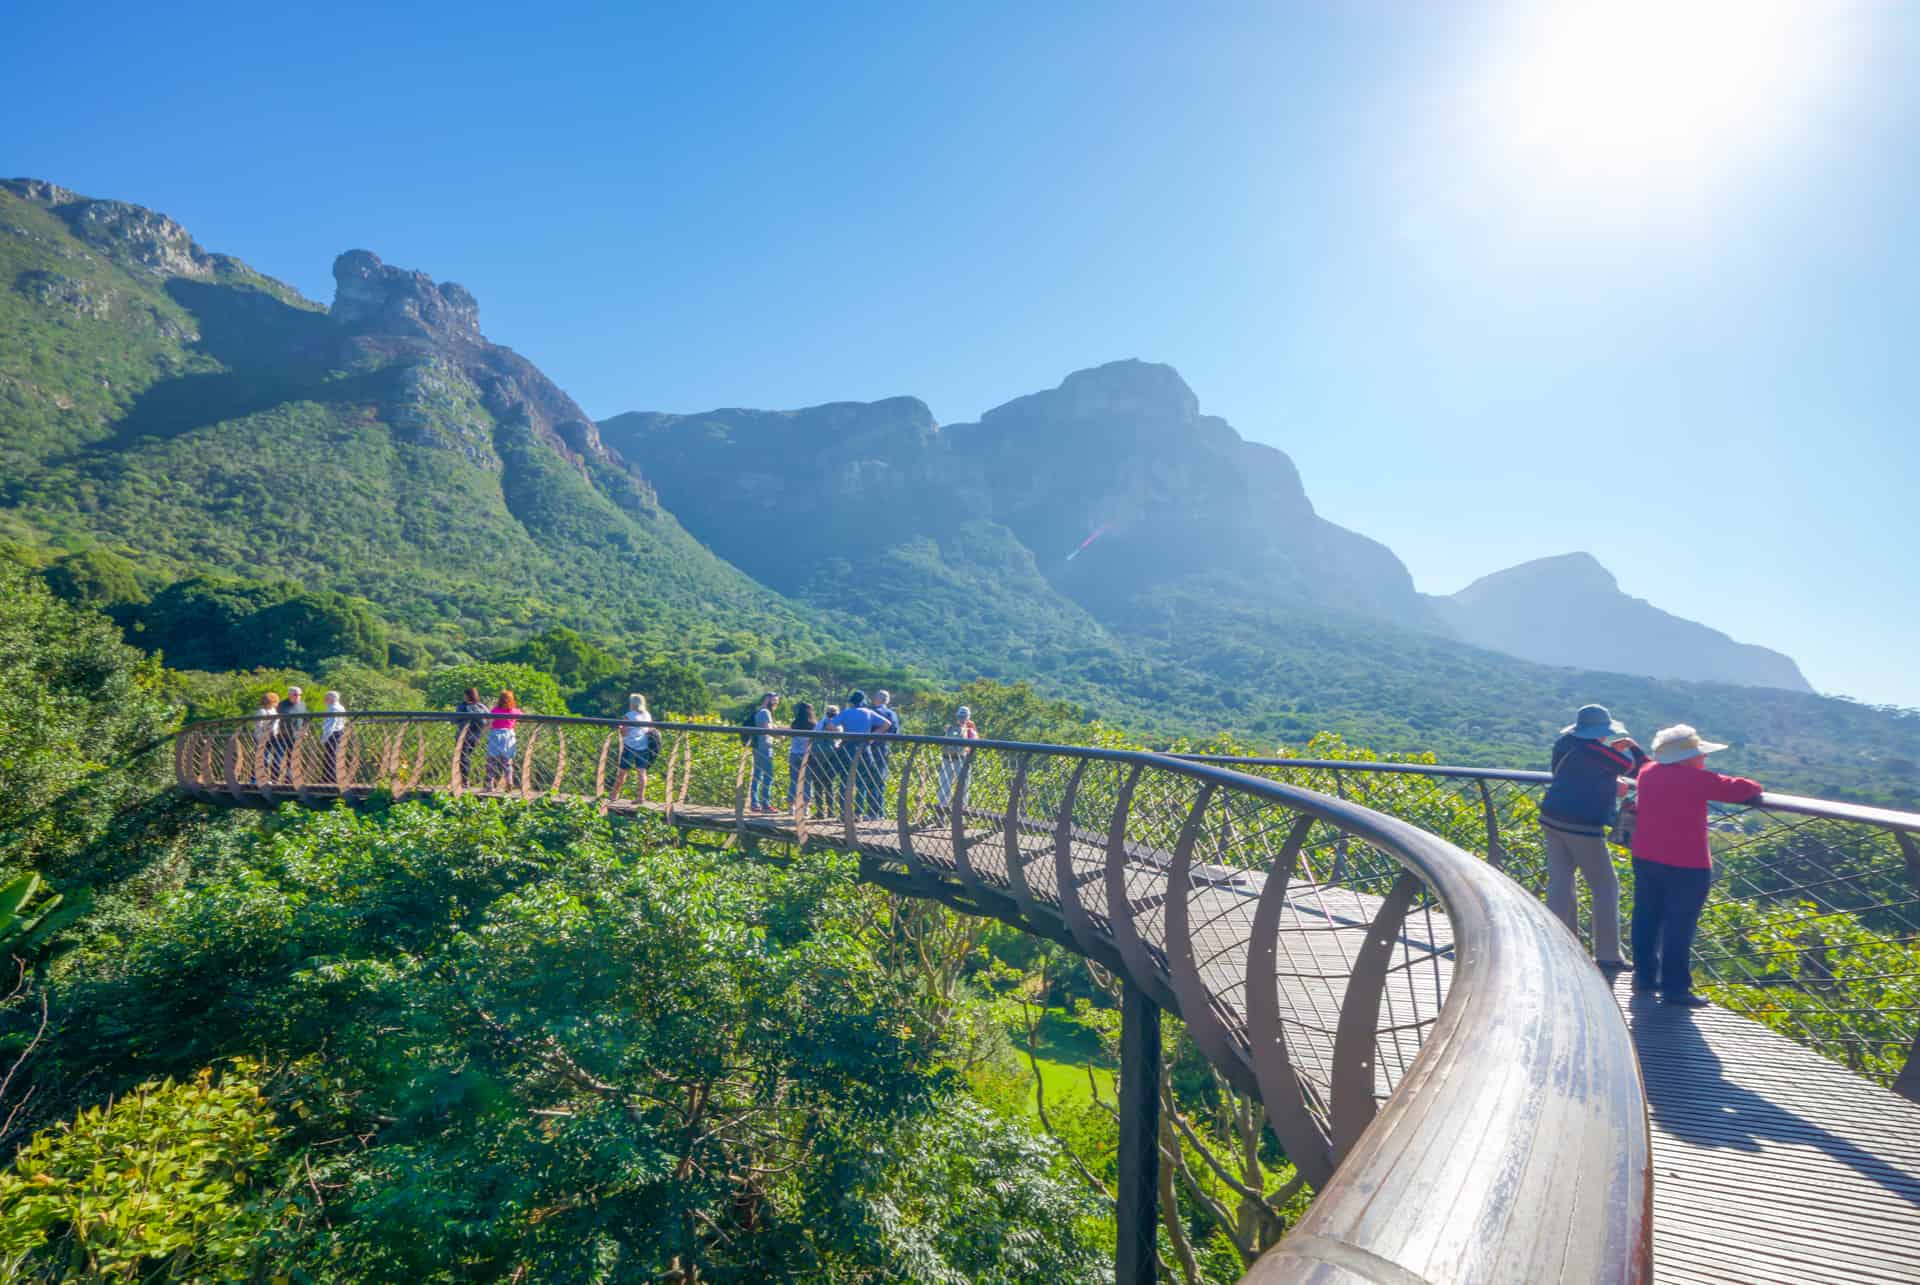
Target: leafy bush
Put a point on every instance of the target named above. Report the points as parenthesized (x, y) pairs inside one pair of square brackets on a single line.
[(164, 1182), (78, 702), (530, 1040)]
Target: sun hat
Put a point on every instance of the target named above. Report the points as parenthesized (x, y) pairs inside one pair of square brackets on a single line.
[(1593, 723), (1679, 743)]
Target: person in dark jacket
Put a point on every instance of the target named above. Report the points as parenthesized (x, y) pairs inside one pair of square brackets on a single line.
[(293, 724), (1588, 761), (472, 730)]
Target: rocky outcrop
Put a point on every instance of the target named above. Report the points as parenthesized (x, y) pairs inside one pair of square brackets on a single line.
[(391, 316), (373, 298), (130, 235), (1569, 610)]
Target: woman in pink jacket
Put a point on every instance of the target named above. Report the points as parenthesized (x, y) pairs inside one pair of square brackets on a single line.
[(1672, 866)]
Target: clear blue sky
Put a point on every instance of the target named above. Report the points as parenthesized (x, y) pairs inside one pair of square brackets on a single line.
[(1506, 282)]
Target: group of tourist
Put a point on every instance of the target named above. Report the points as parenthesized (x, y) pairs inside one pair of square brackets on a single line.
[(818, 767), (276, 730), (821, 768), (1655, 803)]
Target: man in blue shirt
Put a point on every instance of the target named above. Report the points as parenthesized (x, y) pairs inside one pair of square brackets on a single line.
[(760, 792), (862, 719)]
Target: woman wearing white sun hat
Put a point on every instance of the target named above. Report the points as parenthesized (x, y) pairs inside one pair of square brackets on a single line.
[(1672, 865)]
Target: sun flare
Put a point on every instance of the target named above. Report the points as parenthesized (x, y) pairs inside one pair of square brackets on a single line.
[(1638, 97)]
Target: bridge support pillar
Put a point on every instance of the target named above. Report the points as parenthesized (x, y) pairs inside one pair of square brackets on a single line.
[(1138, 1212)]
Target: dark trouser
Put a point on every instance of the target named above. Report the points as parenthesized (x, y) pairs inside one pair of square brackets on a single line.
[(469, 738), (332, 747), (280, 760), (760, 785), (869, 788), (823, 773), (882, 763), (1667, 901)]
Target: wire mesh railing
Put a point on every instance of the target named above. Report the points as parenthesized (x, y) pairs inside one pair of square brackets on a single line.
[(1812, 924), (1334, 960)]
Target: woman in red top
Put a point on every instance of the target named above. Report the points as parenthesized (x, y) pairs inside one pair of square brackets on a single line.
[(500, 742), (1671, 863)]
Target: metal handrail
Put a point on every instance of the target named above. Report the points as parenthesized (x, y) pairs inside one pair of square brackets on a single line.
[(1831, 809), (1512, 1145)]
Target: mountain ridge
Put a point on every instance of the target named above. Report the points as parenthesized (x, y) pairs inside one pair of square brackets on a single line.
[(180, 410)]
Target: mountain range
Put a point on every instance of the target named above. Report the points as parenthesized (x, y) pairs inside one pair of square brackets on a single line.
[(1104, 539)]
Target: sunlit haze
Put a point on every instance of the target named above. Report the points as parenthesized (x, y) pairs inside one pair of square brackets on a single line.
[(1505, 281)]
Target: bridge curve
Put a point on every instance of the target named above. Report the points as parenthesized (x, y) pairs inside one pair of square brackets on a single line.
[(1435, 1052)]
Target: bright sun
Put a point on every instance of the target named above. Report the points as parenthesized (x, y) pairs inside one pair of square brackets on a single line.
[(1630, 99)]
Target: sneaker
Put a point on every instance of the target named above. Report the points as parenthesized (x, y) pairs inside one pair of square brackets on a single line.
[(1687, 999), (1613, 967), (1643, 985)]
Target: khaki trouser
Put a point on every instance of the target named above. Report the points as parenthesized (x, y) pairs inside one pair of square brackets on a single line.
[(1588, 854)]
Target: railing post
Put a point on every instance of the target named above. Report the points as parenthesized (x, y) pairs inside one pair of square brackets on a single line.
[(1907, 1083), (1138, 1204), (1496, 855)]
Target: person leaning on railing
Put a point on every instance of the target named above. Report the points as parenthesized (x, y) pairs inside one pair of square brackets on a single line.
[(266, 725), (473, 730), (797, 771), (1672, 864), (1588, 760), (286, 735), (333, 734), (760, 787), (639, 745), (501, 742)]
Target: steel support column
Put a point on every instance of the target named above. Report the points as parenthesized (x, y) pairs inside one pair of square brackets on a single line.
[(1135, 1261)]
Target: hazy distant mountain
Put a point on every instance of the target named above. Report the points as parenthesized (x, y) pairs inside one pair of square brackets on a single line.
[(1569, 610)]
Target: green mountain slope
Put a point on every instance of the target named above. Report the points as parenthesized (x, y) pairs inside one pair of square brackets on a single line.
[(1212, 596), (199, 416), (180, 408)]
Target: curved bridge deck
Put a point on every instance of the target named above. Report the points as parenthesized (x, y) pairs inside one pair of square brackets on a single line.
[(1431, 1048), (1771, 1162)]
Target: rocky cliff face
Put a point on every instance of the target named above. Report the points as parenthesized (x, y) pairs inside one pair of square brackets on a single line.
[(1122, 449), (372, 298), (128, 234), (1569, 610), (429, 335)]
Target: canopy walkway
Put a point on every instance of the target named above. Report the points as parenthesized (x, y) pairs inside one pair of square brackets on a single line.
[(1360, 946)]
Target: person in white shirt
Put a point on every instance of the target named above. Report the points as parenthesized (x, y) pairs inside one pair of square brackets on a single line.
[(266, 730), (639, 745), (333, 734)]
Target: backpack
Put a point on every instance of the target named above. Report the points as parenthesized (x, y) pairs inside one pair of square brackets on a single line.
[(746, 738)]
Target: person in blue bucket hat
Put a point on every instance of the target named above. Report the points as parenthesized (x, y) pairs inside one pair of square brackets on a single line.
[(1589, 759)]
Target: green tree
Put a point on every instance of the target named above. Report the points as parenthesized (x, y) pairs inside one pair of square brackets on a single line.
[(96, 577), (574, 662), (311, 627), (78, 702), (535, 690), (672, 688), (535, 1042)]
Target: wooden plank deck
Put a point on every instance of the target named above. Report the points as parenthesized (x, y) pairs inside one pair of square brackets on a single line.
[(1771, 1162)]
